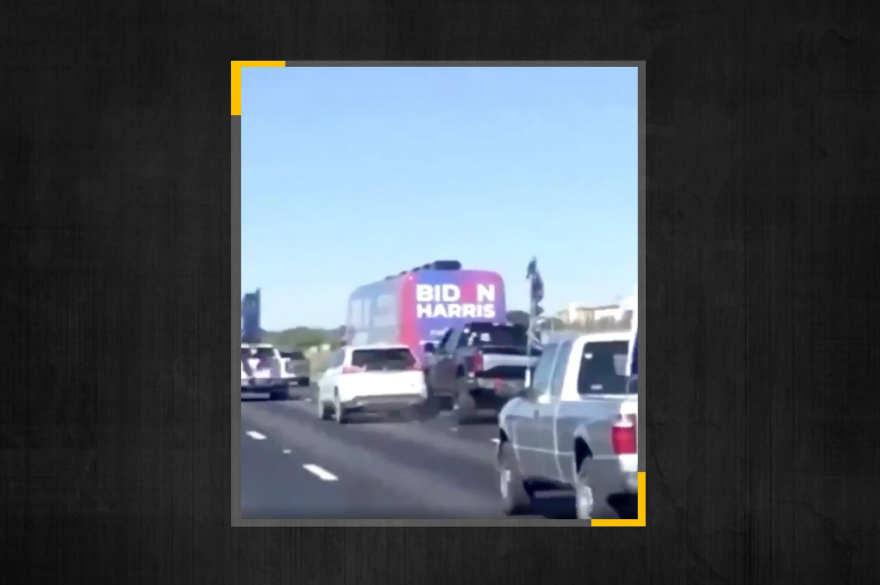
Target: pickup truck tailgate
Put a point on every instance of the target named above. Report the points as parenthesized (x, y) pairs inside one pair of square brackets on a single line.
[(492, 361), (505, 361)]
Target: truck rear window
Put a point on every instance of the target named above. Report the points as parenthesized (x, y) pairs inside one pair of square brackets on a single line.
[(480, 334), (383, 359), (603, 369)]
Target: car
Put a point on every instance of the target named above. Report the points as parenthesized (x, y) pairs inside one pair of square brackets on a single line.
[(370, 378), (575, 429), (264, 370)]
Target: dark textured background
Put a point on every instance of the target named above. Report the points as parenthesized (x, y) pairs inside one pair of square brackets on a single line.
[(762, 167)]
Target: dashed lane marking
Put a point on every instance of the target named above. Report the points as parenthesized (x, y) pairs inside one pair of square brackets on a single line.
[(494, 441), (320, 473), (255, 435), (286, 451)]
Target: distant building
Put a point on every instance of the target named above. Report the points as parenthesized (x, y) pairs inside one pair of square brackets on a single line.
[(584, 315)]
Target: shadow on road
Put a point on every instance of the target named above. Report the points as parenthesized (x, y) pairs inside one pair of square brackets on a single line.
[(554, 506), (561, 506)]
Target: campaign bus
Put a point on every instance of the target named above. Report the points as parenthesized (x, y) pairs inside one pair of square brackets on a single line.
[(417, 306)]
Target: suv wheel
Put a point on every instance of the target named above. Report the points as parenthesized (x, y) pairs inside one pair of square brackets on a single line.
[(322, 410), (338, 410)]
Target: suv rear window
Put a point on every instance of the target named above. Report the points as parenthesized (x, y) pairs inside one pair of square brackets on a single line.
[(603, 368), (257, 352), (480, 334), (294, 355), (392, 359)]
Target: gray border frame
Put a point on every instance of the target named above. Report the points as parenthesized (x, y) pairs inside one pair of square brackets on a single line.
[(235, 404)]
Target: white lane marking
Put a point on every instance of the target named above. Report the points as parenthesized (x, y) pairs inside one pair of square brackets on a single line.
[(454, 429), (321, 473), (286, 451), (256, 435), (494, 441)]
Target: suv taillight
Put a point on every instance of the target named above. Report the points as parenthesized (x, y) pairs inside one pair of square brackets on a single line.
[(624, 438), (477, 364)]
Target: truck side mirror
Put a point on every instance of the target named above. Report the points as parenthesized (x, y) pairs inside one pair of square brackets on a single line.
[(430, 348)]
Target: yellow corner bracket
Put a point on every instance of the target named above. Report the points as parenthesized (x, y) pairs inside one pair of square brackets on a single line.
[(236, 80), (640, 521)]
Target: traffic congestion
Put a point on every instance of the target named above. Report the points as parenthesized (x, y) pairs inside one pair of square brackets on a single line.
[(434, 406)]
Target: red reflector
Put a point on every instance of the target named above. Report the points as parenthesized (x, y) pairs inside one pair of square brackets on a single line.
[(623, 436)]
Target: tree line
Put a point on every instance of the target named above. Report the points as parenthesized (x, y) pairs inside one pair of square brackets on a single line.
[(306, 337)]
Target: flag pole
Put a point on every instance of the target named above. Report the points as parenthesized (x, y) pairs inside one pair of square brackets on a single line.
[(528, 378), (530, 277)]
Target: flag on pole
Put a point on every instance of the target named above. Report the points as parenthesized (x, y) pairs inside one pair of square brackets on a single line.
[(537, 284)]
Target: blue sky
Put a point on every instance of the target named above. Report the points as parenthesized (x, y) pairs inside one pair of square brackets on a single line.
[(351, 174)]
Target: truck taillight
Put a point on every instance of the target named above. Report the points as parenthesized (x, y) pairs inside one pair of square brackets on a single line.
[(477, 364), (624, 438)]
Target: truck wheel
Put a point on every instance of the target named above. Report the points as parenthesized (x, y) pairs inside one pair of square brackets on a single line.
[(280, 394), (465, 408), (338, 411), (589, 505), (515, 498)]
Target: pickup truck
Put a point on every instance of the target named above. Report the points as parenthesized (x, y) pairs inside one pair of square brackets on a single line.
[(576, 429), (479, 367), (264, 370)]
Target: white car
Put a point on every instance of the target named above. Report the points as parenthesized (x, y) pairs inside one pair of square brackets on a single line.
[(370, 378)]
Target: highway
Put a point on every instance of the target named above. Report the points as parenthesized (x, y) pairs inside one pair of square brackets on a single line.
[(294, 466)]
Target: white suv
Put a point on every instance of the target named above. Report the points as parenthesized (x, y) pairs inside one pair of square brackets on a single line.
[(379, 377)]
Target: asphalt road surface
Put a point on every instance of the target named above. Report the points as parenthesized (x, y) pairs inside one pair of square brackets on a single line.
[(295, 466)]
